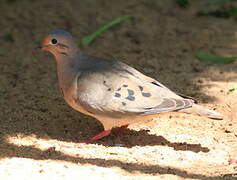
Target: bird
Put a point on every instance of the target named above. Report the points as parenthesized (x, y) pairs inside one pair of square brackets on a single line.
[(111, 91)]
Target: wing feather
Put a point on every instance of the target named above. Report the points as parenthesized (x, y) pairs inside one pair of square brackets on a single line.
[(120, 90)]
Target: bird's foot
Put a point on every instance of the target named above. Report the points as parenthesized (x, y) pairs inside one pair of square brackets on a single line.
[(106, 133), (98, 136)]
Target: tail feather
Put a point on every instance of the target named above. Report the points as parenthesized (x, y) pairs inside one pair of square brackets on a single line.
[(202, 111)]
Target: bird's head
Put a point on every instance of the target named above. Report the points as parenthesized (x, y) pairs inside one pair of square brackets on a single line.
[(60, 43)]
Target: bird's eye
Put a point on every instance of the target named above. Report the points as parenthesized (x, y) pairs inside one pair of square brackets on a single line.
[(54, 41)]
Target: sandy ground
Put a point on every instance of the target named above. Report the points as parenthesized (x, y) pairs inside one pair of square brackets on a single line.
[(40, 133)]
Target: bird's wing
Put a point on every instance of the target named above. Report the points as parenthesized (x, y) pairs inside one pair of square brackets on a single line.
[(121, 90)]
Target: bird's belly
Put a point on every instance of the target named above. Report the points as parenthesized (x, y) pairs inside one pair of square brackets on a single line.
[(71, 102), (109, 122)]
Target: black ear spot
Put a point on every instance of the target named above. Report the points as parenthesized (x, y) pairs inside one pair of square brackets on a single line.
[(54, 41)]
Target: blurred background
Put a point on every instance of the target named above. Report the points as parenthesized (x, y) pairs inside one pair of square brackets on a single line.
[(160, 39)]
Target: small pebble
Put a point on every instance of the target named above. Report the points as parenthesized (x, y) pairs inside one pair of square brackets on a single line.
[(119, 145)]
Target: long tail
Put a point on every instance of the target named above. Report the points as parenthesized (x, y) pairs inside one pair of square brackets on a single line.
[(202, 111)]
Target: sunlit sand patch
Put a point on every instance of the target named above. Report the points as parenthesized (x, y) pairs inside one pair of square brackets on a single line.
[(29, 169), (156, 155)]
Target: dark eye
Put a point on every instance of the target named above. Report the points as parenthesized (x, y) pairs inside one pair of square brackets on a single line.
[(54, 41)]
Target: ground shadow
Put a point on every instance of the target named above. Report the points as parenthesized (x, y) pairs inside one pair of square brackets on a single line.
[(143, 138), (51, 153), (160, 41)]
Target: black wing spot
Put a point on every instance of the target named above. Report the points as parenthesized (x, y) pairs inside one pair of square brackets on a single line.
[(130, 92), (125, 85), (124, 104), (130, 98), (109, 89), (141, 88), (146, 94), (117, 95), (118, 89)]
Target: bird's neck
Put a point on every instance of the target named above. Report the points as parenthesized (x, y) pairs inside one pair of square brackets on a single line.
[(66, 71)]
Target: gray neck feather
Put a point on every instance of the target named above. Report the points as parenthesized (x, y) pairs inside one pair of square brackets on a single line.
[(66, 70)]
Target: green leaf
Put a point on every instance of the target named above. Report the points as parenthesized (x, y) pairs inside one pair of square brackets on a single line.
[(87, 40), (232, 90), (219, 1), (183, 3), (215, 59), (223, 13), (9, 37)]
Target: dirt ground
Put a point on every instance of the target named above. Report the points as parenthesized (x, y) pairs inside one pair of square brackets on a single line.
[(40, 133)]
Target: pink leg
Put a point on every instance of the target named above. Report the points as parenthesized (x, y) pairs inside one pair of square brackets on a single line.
[(99, 136)]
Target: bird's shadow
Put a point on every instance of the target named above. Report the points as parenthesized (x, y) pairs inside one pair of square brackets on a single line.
[(131, 138), (37, 154)]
